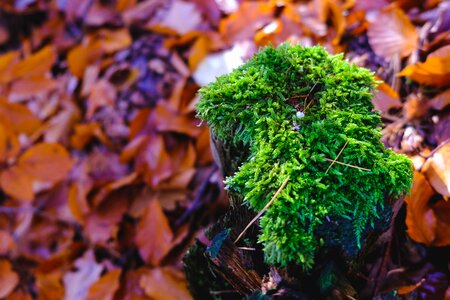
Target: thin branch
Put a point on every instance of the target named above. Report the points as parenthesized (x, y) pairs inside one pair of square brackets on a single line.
[(263, 210), (339, 154), (347, 165)]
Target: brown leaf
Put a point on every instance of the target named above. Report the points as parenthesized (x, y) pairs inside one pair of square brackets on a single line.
[(105, 287), (154, 236), (6, 242), (21, 119), (9, 144), (434, 71), (7, 62), (77, 60), (409, 288), (46, 162), (16, 182), (36, 64), (198, 52), (103, 93), (392, 33), (440, 101), (49, 285), (28, 87), (154, 161), (110, 41), (8, 278), (437, 170), (420, 219), (165, 283), (84, 133), (244, 22), (386, 98)]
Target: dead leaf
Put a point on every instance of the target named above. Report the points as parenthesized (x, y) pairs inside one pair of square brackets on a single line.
[(175, 17), (8, 278), (386, 99), (437, 170), (21, 119), (434, 71), (7, 62), (49, 285), (84, 133), (244, 22), (6, 242), (414, 107), (391, 33), (78, 281), (420, 218), (154, 236), (46, 162), (9, 144), (77, 59), (16, 181), (25, 88), (409, 288), (36, 64), (199, 50), (103, 93), (165, 283), (105, 287), (440, 101)]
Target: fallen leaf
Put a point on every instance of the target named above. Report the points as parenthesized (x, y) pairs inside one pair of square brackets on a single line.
[(6, 242), (165, 283), (198, 51), (414, 107), (105, 287), (78, 281), (440, 101), (16, 181), (46, 162), (386, 98), (391, 33), (84, 133), (103, 93), (49, 285), (420, 218), (243, 23), (20, 117), (38, 63), (437, 170), (154, 161), (434, 71), (7, 62), (25, 88), (8, 278), (409, 288), (9, 144), (111, 41), (77, 60), (154, 236)]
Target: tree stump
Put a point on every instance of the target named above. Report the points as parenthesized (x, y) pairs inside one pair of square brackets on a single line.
[(297, 123)]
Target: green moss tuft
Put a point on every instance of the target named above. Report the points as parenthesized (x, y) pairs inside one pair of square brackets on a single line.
[(294, 107)]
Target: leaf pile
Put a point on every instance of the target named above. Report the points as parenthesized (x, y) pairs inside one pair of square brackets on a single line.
[(105, 174)]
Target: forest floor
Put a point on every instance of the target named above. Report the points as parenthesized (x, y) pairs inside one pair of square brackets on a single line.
[(106, 176)]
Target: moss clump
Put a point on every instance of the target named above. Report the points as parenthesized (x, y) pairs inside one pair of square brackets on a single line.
[(295, 107)]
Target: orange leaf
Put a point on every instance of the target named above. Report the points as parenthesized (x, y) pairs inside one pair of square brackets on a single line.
[(6, 242), (84, 134), (7, 61), (21, 119), (103, 93), (16, 182), (77, 60), (386, 98), (105, 287), (409, 288), (28, 87), (198, 51), (154, 161), (420, 218), (437, 170), (249, 17), (46, 162), (9, 144), (49, 286), (36, 64), (165, 283), (392, 33), (111, 41), (154, 236), (434, 71), (8, 278)]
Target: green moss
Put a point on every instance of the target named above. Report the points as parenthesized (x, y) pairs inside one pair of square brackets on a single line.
[(261, 104)]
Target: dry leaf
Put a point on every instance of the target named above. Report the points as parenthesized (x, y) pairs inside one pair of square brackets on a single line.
[(7, 62), (105, 287), (46, 162), (386, 99), (440, 101), (198, 51), (392, 33), (6, 242), (49, 285), (8, 278), (176, 17), (165, 283), (78, 281), (25, 88), (154, 236), (36, 64), (420, 219), (21, 119), (434, 71), (84, 133), (437, 170), (103, 93), (16, 181), (77, 59), (9, 144)]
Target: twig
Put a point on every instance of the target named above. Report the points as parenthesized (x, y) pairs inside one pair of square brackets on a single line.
[(247, 248), (332, 163), (263, 210), (348, 165)]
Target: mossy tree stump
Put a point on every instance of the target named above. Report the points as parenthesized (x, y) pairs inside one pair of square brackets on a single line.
[(299, 113)]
